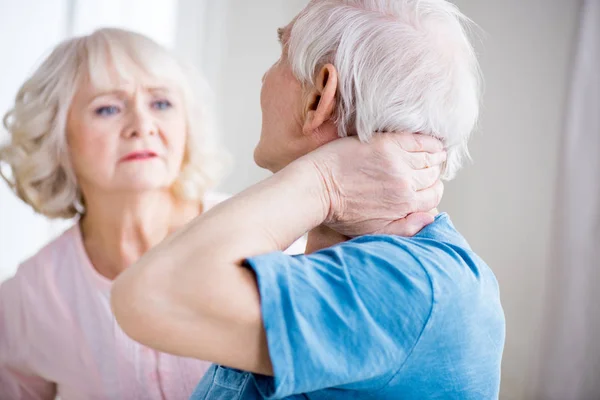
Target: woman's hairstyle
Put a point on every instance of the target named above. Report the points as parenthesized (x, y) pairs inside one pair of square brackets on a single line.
[(36, 158)]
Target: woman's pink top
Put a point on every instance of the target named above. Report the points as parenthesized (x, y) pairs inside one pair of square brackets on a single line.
[(58, 336)]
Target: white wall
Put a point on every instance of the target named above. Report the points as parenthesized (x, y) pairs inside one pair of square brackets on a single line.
[(238, 45), (503, 203), (28, 29), (154, 18)]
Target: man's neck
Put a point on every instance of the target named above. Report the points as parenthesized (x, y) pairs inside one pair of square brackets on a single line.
[(322, 237)]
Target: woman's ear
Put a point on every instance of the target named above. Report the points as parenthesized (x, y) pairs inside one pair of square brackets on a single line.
[(321, 100)]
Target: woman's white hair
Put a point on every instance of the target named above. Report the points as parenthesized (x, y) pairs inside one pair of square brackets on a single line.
[(39, 169), (403, 65)]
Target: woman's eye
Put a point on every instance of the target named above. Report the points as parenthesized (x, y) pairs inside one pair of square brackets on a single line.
[(162, 104), (107, 110)]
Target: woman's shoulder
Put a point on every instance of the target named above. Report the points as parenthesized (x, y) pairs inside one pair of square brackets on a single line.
[(34, 303), (55, 254)]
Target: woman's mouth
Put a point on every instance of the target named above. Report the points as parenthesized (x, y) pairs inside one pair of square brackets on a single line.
[(139, 156)]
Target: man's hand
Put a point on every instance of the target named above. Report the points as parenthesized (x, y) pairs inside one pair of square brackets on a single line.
[(385, 186)]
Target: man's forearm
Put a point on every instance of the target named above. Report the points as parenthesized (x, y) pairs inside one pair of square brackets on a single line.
[(267, 217)]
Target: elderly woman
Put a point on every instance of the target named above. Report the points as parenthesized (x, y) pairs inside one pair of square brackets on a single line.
[(379, 316), (110, 130)]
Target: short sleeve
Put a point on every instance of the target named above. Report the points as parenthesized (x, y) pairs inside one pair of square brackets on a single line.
[(344, 315), (16, 382)]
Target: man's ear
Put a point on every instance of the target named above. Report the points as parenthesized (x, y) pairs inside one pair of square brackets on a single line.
[(320, 104)]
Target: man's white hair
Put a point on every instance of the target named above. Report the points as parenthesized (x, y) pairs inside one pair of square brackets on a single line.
[(37, 154), (403, 65)]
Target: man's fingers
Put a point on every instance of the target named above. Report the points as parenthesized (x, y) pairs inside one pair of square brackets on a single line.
[(417, 142), (424, 160), (409, 226), (428, 199), (426, 178)]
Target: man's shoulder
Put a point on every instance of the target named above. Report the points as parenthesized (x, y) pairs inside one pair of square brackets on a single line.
[(439, 249), (439, 256)]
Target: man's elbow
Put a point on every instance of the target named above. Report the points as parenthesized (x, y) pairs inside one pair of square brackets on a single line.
[(132, 305)]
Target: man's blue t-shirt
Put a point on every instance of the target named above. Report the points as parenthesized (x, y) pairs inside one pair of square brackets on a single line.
[(377, 317)]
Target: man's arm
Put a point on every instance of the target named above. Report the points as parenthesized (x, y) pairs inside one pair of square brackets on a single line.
[(189, 296)]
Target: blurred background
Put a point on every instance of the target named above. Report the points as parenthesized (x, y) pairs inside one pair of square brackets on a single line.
[(510, 203)]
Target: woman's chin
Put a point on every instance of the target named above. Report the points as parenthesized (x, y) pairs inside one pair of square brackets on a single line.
[(145, 183)]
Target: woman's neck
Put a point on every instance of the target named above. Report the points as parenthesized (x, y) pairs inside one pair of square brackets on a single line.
[(118, 230)]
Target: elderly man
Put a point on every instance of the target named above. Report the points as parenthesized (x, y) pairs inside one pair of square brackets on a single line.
[(379, 316)]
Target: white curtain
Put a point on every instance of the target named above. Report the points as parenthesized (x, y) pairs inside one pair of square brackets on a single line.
[(156, 19), (570, 361)]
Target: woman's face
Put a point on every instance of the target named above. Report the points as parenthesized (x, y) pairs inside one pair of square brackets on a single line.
[(130, 138)]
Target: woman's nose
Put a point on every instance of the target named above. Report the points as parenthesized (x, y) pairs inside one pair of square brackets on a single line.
[(142, 124)]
